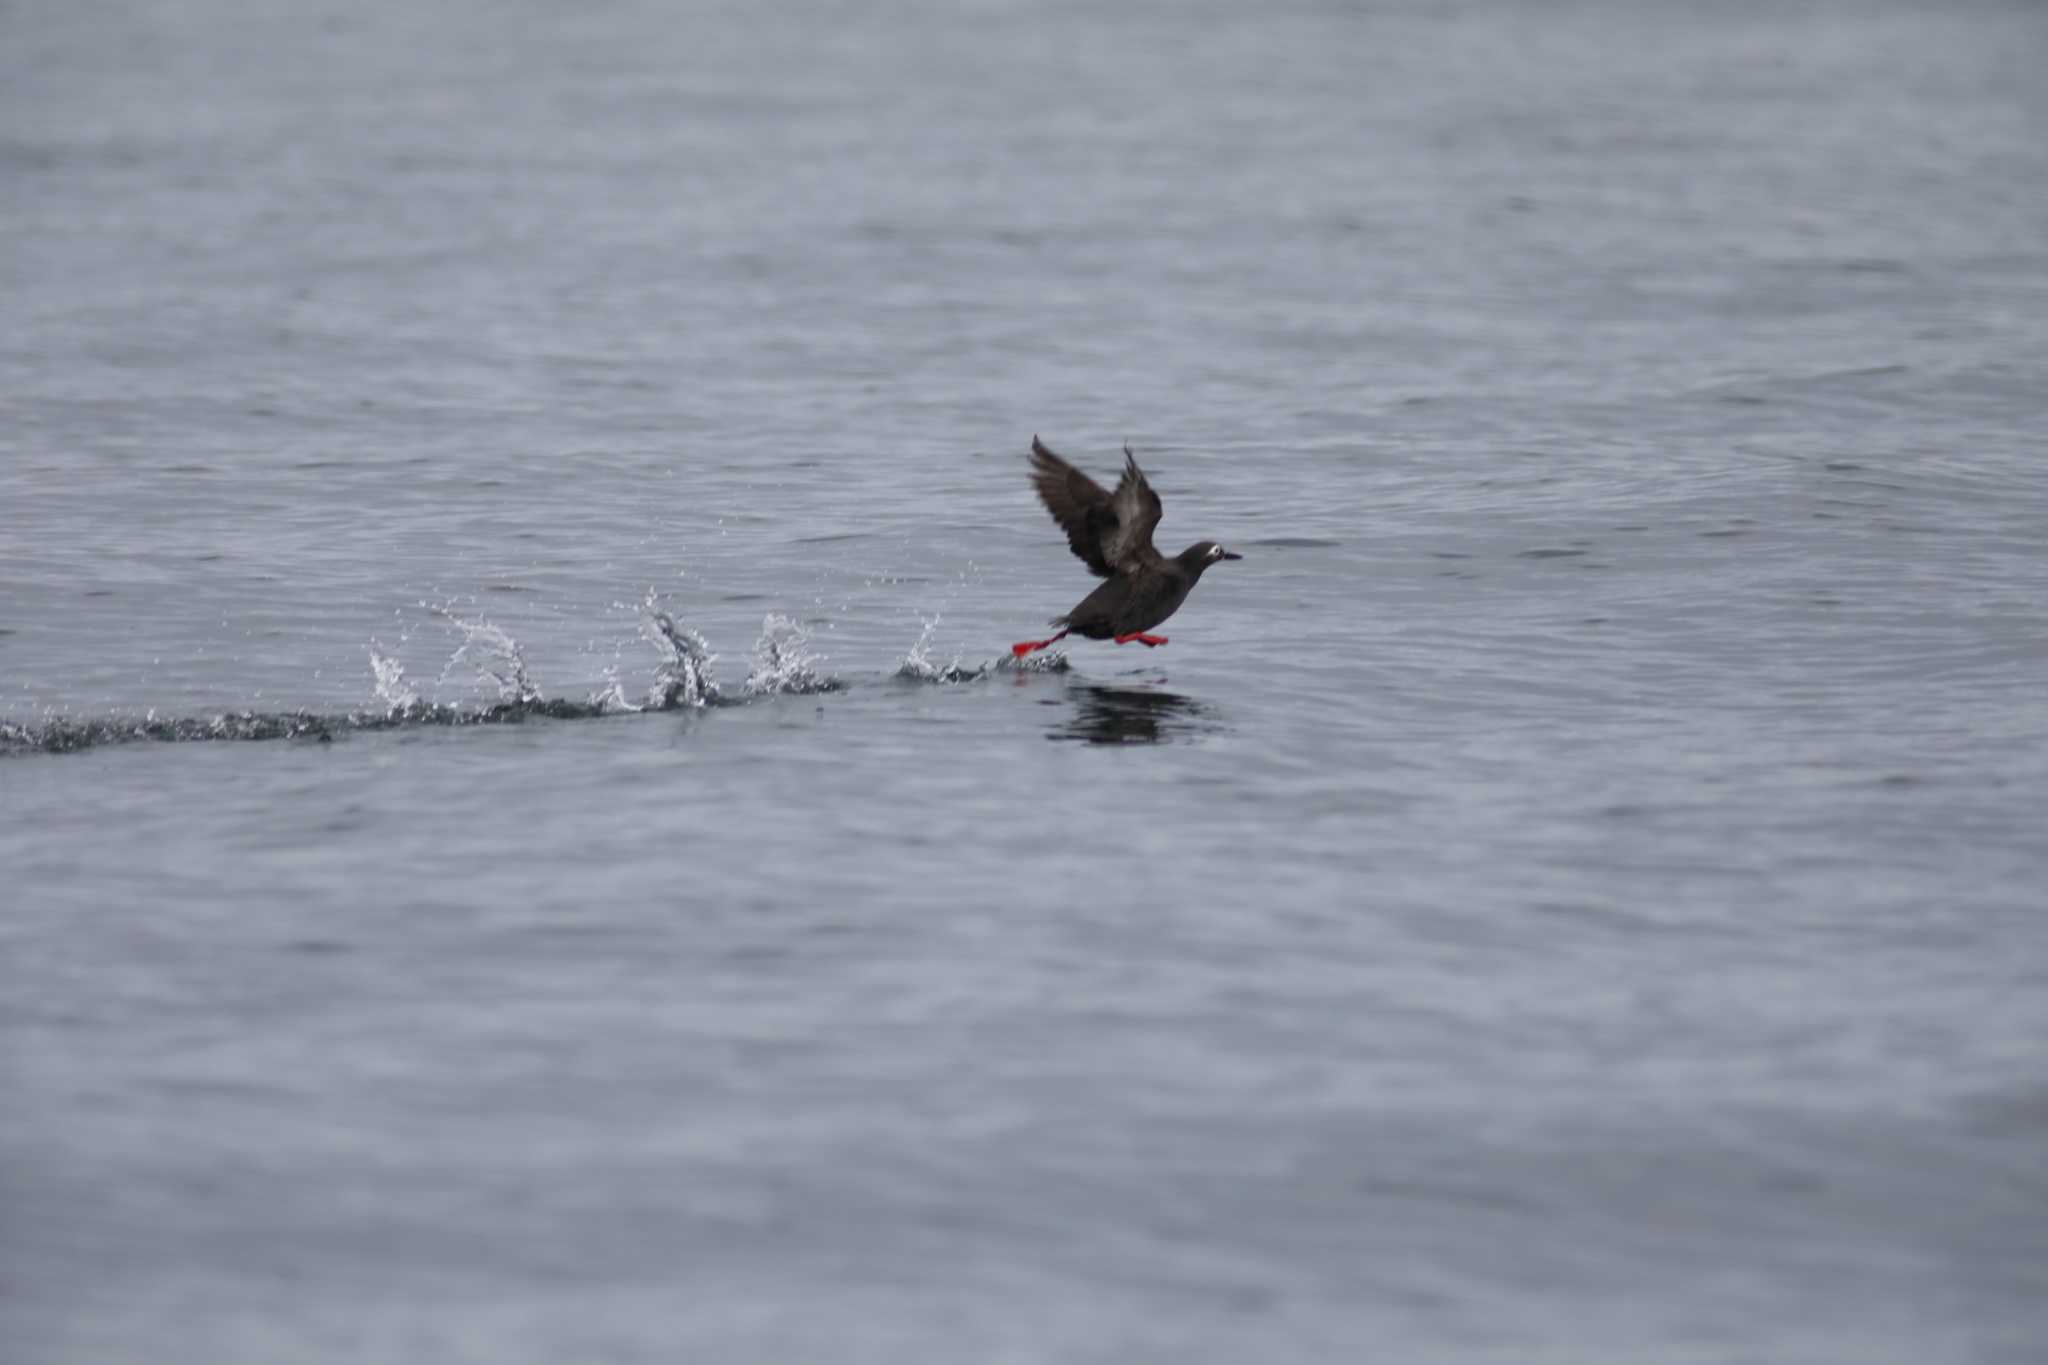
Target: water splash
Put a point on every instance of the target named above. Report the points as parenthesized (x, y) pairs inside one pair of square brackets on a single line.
[(611, 699), (493, 655), (393, 689), (782, 663), (917, 665), (684, 675), (1044, 661)]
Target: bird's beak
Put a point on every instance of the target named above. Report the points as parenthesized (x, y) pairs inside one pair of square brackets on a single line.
[(1228, 555)]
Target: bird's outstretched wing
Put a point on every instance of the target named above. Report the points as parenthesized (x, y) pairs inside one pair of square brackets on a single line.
[(1137, 513), (1110, 532)]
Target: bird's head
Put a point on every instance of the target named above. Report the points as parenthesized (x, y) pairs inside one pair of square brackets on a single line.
[(1203, 553)]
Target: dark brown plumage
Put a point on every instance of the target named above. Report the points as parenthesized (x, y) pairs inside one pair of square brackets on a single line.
[(1112, 534)]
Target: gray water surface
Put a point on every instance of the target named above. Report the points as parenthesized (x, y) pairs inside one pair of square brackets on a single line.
[(1573, 893)]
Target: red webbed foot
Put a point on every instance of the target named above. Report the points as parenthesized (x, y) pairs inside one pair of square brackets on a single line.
[(1023, 647), (1149, 641)]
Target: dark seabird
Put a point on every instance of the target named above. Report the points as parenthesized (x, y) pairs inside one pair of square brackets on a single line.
[(1112, 534)]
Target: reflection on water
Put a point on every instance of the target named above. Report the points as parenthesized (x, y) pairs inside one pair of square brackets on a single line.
[(1132, 715)]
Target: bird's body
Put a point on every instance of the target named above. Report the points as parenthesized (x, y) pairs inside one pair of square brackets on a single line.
[(1128, 603), (1112, 534)]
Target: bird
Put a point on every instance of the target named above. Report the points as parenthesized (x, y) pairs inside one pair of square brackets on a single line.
[(1112, 534)]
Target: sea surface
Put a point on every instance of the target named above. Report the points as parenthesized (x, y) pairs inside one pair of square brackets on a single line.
[(521, 840)]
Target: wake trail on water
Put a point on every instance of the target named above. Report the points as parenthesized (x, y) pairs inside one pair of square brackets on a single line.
[(781, 664), (917, 665)]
